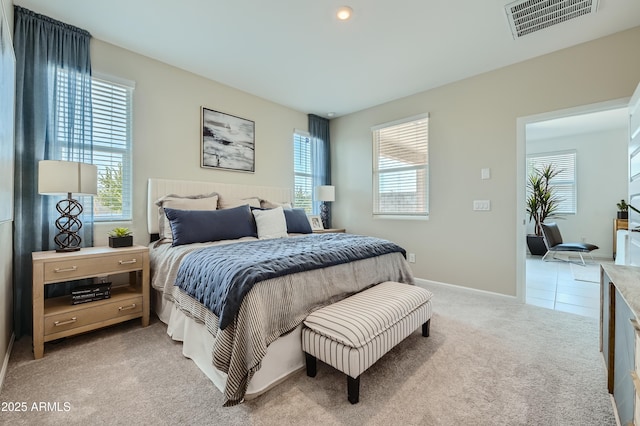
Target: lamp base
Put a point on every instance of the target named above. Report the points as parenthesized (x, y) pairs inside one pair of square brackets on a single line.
[(324, 215), (68, 224)]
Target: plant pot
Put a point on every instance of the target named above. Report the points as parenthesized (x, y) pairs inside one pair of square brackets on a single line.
[(623, 215), (536, 245), (116, 242)]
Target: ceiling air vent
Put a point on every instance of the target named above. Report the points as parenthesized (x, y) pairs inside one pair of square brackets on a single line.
[(529, 16)]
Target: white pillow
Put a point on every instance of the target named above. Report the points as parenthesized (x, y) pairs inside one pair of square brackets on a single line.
[(190, 202), (271, 223)]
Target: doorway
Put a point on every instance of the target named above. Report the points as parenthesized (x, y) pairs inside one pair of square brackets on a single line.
[(598, 134)]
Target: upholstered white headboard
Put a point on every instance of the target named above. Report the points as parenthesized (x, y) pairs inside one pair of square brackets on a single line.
[(160, 187)]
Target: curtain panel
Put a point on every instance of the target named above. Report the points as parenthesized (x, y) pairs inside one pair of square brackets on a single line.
[(321, 156), (53, 122)]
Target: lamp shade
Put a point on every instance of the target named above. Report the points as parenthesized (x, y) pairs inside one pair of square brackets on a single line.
[(326, 193), (63, 177)]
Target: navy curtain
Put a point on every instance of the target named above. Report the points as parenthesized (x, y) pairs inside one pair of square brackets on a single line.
[(321, 156), (53, 122)]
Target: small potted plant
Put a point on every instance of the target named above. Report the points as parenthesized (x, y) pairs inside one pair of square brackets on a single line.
[(623, 209), (120, 237)]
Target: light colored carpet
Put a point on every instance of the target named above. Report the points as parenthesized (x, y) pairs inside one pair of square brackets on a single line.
[(489, 361), (589, 273)]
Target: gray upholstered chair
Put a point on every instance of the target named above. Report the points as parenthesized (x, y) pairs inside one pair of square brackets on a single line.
[(554, 243)]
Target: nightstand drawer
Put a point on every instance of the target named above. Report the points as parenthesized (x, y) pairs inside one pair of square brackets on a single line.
[(69, 269), (91, 313)]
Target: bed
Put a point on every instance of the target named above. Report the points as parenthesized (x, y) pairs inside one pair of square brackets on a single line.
[(254, 345)]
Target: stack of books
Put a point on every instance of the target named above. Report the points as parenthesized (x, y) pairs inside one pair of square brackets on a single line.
[(90, 293)]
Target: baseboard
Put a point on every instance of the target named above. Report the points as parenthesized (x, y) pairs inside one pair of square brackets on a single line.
[(421, 282), (5, 363)]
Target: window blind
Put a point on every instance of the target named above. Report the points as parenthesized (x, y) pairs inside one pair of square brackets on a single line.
[(564, 183), (401, 167), (303, 171), (112, 104)]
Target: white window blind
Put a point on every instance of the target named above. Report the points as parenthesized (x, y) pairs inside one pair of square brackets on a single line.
[(564, 183), (303, 171), (401, 167), (112, 103)]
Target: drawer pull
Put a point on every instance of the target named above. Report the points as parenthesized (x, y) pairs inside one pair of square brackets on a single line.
[(73, 268), (126, 308), (635, 324), (71, 321), (127, 262)]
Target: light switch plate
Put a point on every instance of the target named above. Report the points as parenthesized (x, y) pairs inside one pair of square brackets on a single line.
[(485, 173), (482, 205)]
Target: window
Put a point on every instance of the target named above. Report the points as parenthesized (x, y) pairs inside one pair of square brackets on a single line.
[(565, 182), (303, 171), (111, 134), (112, 103), (401, 168)]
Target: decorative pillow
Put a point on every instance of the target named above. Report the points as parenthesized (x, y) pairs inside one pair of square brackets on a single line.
[(266, 204), (188, 202), (297, 221), (201, 226), (270, 223), (230, 202)]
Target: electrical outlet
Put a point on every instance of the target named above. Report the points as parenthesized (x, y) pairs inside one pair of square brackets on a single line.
[(411, 257)]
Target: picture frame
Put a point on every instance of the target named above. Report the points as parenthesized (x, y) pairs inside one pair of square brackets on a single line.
[(316, 222), (227, 142)]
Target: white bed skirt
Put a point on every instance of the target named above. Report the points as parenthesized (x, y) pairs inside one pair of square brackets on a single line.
[(284, 356)]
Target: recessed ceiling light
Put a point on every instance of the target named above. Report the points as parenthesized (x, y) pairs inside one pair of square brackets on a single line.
[(344, 13), (331, 114)]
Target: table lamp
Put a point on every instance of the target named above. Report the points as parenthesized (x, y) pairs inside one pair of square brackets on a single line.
[(67, 177), (325, 194)]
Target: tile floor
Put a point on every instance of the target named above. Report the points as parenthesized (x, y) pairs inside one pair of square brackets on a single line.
[(551, 285)]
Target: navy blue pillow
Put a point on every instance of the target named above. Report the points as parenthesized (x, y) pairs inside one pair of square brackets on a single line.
[(297, 222), (201, 226)]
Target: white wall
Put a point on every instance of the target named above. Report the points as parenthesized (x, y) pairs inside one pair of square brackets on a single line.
[(472, 126), (601, 175), (166, 128), (6, 255)]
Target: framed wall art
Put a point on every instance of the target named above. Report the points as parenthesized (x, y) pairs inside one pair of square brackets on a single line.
[(227, 142)]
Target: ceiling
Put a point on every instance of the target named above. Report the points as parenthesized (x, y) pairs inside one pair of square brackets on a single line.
[(579, 124), (296, 53)]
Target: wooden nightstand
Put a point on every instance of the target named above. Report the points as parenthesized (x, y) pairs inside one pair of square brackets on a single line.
[(328, 230), (55, 318)]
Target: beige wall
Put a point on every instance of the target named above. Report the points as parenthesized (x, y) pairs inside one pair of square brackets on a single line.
[(166, 128), (473, 126), (6, 256)]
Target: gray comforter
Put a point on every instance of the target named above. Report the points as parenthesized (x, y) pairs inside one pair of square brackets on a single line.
[(220, 276)]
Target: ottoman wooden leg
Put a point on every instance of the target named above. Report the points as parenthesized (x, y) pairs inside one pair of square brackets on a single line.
[(353, 389), (311, 364), (425, 328)]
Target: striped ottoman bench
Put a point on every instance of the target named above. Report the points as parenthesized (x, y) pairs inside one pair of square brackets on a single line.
[(352, 334)]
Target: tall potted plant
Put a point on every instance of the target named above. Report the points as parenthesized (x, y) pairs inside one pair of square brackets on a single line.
[(542, 204)]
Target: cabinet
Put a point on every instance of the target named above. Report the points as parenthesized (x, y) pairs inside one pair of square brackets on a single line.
[(55, 318), (620, 337)]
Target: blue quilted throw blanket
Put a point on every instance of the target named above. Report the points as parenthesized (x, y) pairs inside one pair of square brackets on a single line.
[(220, 276)]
